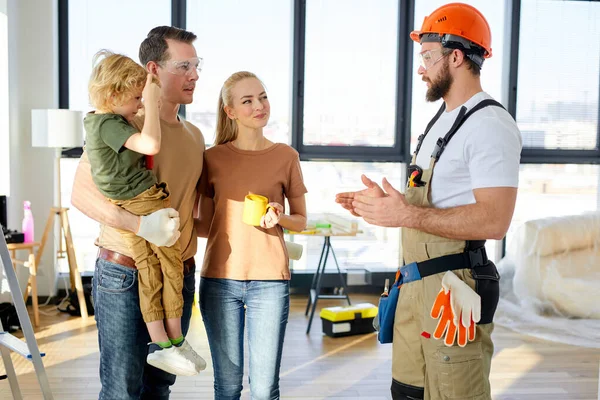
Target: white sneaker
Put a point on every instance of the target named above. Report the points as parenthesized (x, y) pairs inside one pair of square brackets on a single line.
[(189, 353), (173, 361)]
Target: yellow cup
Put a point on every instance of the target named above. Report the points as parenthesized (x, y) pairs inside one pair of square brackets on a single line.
[(255, 207)]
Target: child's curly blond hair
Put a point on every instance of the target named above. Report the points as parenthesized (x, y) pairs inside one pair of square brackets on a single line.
[(115, 78)]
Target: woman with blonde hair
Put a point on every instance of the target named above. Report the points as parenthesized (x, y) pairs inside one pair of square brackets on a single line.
[(245, 276)]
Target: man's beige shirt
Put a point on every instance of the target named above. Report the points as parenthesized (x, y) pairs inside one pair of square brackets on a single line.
[(179, 164)]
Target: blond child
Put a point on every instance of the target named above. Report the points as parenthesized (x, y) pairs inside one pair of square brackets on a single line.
[(117, 150)]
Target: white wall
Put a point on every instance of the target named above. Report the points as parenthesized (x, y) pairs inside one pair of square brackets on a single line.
[(33, 83), (4, 127)]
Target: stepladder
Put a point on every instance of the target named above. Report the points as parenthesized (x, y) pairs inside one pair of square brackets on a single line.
[(10, 344)]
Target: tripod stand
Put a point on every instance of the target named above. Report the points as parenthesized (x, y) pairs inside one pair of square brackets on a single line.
[(65, 231)]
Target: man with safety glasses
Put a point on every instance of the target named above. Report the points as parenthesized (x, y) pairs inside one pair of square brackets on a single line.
[(169, 54), (461, 190)]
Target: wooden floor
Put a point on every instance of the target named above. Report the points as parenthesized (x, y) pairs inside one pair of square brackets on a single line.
[(316, 366)]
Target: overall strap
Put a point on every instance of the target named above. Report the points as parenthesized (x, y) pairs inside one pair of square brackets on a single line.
[(429, 126), (463, 115)]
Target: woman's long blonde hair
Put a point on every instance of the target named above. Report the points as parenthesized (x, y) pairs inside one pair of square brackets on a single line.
[(227, 130)]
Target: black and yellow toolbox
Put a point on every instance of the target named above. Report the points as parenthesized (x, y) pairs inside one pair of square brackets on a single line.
[(350, 320)]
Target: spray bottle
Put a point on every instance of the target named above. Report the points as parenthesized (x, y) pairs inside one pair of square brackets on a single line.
[(28, 222)]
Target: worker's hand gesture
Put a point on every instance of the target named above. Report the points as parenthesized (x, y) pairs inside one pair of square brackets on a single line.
[(345, 199), (389, 210)]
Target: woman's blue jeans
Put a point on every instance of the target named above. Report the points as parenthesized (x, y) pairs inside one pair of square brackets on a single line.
[(227, 307)]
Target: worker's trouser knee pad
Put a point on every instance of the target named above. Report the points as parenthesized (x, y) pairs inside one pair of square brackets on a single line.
[(402, 391)]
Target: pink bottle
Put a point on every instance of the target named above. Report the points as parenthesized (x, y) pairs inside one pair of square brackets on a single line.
[(28, 222)]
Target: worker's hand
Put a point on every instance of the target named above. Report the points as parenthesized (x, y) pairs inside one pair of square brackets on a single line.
[(458, 309), (160, 228), (390, 210), (272, 217), (373, 190)]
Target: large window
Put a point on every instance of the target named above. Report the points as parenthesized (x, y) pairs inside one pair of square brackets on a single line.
[(119, 26), (557, 103), (242, 36), (350, 71), (558, 71), (349, 80), (491, 73)]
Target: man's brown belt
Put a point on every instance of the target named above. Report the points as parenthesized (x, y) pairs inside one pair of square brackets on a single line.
[(126, 261)]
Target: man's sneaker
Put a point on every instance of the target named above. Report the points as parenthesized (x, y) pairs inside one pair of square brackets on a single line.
[(171, 360), (185, 348)]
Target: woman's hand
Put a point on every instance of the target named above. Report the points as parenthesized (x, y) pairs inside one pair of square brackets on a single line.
[(272, 217)]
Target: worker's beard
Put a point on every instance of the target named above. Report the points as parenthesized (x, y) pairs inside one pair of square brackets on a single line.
[(442, 84)]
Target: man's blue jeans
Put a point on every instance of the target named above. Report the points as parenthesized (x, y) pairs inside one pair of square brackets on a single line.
[(123, 337), (227, 306)]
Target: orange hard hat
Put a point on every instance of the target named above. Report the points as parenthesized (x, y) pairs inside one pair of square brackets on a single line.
[(459, 26)]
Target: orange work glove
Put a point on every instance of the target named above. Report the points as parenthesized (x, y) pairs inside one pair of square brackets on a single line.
[(458, 308)]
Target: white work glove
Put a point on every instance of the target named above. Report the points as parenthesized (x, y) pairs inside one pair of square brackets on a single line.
[(160, 228), (457, 308), (464, 301)]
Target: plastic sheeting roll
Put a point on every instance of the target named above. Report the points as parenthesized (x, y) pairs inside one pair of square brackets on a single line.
[(557, 265)]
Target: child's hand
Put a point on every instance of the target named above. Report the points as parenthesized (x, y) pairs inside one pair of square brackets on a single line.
[(272, 217), (151, 92)]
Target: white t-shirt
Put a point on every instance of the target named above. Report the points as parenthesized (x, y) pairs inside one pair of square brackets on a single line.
[(485, 152)]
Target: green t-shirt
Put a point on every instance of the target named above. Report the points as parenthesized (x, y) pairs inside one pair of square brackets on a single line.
[(119, 173)]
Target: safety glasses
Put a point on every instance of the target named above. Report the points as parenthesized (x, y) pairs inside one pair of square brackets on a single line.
[(183, 67), (427, 60)]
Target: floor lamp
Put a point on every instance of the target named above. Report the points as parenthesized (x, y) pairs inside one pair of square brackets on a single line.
[(57, 129)]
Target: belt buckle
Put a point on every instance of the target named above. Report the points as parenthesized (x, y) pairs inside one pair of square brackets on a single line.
[(477, 257), (410, 273)]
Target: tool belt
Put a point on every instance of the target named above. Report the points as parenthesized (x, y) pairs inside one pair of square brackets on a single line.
[(484, 272), (468, 259)]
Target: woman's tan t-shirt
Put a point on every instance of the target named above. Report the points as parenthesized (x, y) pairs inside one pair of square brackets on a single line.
[(235, 250)]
